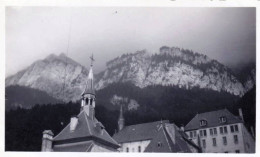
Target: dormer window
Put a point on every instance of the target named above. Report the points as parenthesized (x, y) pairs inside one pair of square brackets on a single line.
[(203, 123), (223, 119)]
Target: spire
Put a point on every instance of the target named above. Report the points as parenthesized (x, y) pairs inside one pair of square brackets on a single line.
[(89, 89), (88, 96), (121, 120)]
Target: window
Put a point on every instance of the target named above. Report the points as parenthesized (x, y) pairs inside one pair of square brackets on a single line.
[(159, 144), (203, 123), (225, 130), (232, 128), (194, 133), (133, 149), (224, 140), (214, 141), (215, 131), (221, 130), (205, 133), (226, 152), (139, 148), (201, 133), (204, 143), (127, 149), (237, 151), (235, 139), (222, 119), (211, 131), (236, 128), (191, 135)]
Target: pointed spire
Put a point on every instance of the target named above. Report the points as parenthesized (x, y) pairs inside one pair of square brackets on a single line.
[(121, 120), (90, 80)]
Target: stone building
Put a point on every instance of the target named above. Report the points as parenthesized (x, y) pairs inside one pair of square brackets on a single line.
[(84, 133), (158, 136), (220, 132)]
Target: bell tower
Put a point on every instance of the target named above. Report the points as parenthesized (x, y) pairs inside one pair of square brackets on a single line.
[(88, 97)]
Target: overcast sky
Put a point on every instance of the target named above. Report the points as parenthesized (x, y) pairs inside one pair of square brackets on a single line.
[(32, 33)]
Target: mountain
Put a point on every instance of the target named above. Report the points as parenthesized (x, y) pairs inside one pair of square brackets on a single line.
[(172, 66), (25, 97), (64, 79), (59, 76)]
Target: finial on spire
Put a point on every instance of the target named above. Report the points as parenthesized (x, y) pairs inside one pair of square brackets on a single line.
[(91, 59)]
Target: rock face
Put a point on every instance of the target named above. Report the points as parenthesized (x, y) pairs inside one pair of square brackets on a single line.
[(173, 66), (65, 79), (59, 76)]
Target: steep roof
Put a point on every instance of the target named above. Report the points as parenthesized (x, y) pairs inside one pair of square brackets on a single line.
[(81, 147), (86, 130), (144, 131), (212, 119), (170, 139)]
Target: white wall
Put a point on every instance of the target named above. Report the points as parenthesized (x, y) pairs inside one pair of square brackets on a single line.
[(133, 146), (231, 147)]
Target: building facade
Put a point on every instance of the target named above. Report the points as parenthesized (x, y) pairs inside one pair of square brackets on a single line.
[(158, 136), (84, 133), (220, 132)]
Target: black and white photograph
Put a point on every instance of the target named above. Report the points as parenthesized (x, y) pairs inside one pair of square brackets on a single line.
[(130, 79)]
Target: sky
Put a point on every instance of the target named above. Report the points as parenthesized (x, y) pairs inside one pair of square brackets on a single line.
[(32, 33)]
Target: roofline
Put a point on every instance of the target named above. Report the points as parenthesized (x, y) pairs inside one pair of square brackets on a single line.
[(135, 140), (80, 139), (212, 126), (146, 123)]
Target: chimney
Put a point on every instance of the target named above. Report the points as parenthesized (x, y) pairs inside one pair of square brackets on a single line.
[(252, 131), (182, 127), (99, 127), (241, 114), (73, 123), (47, 141)]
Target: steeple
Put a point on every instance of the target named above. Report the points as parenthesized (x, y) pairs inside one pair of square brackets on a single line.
[(121, 120), (88, 96)]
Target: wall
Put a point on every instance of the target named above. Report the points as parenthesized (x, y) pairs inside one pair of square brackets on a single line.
[(133, 146), (231, 147), (249, 142)]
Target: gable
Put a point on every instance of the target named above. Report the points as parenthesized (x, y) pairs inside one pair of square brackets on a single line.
[(212, 119), (85, 130), (139, 132)]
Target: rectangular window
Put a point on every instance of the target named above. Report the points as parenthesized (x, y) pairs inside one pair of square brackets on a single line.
[(236, 128), (211, 131), (214, 141), (201, 133), (232, 128), (205, 133), (139, 148), (224, 140), (215, 131), (194, 133), (235, 139), (221, 130), (191, 135), (237, 151), (204, 143), (225, 130)]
